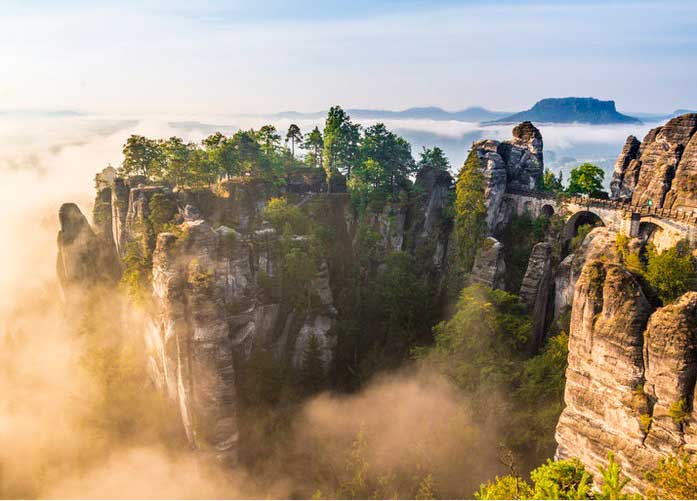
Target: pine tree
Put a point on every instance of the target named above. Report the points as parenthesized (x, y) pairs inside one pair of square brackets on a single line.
[(293, 135), (470, 210)]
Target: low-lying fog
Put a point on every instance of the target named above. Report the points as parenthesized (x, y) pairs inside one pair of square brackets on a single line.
[(47, 161)]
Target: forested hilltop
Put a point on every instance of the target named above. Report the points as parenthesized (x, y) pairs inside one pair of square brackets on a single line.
[(305, 295)]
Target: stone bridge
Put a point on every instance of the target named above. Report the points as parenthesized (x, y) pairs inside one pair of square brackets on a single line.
[(665, 227)]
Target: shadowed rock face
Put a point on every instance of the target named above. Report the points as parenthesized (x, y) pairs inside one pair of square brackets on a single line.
[(625, 361), (663, 168), (535, 289), (626, 172), (516, 164)]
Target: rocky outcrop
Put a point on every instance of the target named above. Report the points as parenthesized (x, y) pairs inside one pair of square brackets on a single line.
[(489, 266), (514, 165), (630, 369), (598, 244), (626, 174), (605, 368), (218, 295), (535, 289), (662, 169)]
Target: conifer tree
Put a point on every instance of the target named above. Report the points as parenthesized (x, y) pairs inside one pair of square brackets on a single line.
[(470, 210)]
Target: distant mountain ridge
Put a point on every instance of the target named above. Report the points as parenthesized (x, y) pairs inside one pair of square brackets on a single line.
[(586, 110), (471, 114)]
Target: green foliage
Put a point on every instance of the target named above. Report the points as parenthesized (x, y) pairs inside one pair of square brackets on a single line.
[(645, 421), (402, 295), (433, 158), (199, 276), (613, 482), (565, 479), (470, 210), (312, 375), (518, 239), (586, 179), (314, 145), (581, 234), (386, 160), (675, 477), (480, 348), (551, 183), (280, 213), (136, 274), (539, 397), (162, 210), (341, 139), (672, 272), (141, 156), (679, 412), (507, 487), (298, 271), (294, 136)]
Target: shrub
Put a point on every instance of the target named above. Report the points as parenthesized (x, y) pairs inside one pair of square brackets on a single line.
[(507, 487), (280, 213), (137, 272), (675, 477), (671, 273), (679, 412), (565, 479)]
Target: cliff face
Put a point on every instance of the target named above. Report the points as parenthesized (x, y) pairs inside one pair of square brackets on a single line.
[(216, 295), (628, 364), (516, 164), (662, 168)]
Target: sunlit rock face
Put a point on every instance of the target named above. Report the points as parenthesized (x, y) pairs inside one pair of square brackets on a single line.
[(627, 365), (662, 168), (215, 297)]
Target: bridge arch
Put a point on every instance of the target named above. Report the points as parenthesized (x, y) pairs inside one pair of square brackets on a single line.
[(573, 223), (659, 232), (547, 210)]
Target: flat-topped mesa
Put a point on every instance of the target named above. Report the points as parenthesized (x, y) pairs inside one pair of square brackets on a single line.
[(661, 171), (516, 165)]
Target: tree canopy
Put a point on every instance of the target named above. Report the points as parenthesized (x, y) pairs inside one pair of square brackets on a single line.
[(586, 179)]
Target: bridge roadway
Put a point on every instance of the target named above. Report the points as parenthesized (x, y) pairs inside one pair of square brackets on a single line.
[(665, 225)]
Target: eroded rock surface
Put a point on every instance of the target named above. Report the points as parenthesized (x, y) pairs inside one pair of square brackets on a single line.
[(662, 168)]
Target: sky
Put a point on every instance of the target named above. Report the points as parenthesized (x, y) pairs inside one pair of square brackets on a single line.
[(208, 57)]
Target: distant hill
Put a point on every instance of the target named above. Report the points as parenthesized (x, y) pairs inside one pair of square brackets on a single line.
[(660, 117), (39, 113), (585, 110), (472, 114)]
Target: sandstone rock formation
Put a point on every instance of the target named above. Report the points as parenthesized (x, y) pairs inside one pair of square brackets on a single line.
[(489, 266), (216, 294), (514, 165), (662, 169), (535, 289), (628, 366)]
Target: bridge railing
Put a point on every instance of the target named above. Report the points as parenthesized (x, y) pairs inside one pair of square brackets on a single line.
[(661, 212)]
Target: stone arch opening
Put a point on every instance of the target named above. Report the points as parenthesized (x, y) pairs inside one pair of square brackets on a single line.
[(547, 210), (579, 225), (648, 230)]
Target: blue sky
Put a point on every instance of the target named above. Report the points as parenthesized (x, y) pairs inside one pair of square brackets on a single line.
[(241, 57)]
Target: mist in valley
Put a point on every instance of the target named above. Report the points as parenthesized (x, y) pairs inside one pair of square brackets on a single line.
[(412, 428)]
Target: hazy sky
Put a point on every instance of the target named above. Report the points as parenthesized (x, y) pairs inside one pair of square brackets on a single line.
[(263, 56)]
